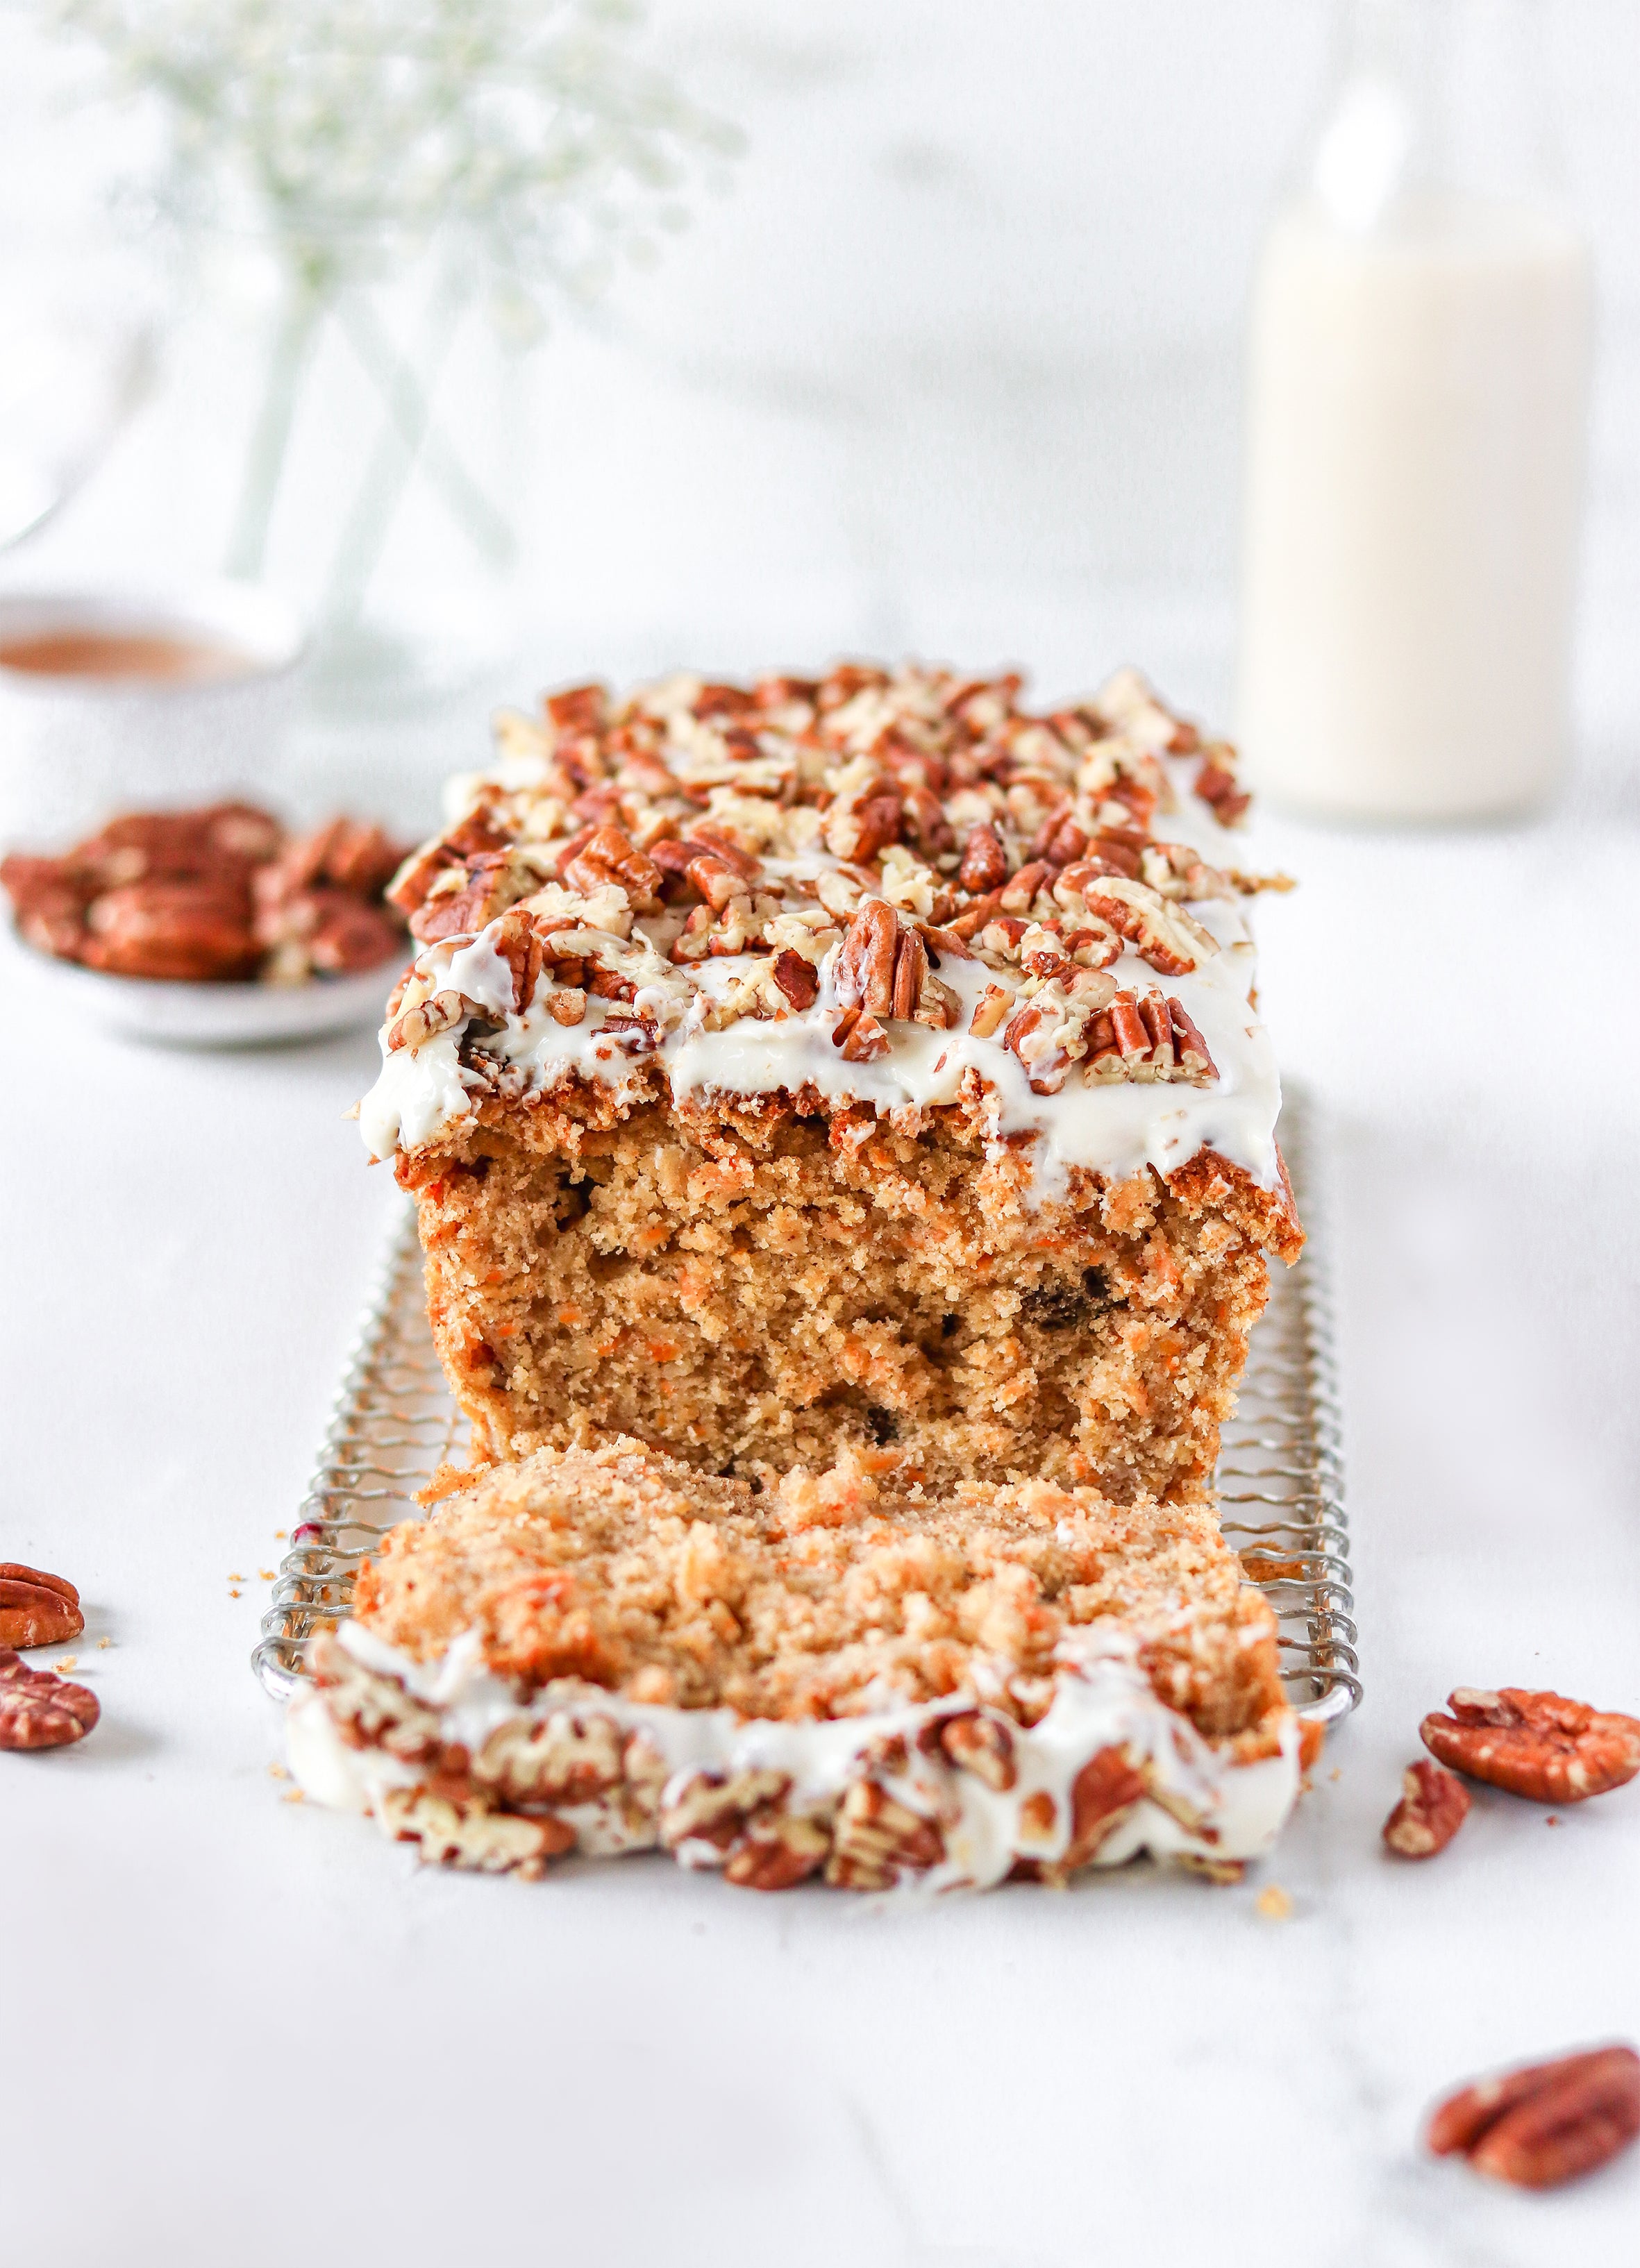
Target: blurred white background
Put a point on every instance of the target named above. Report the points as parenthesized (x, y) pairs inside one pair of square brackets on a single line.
[(953, 368)]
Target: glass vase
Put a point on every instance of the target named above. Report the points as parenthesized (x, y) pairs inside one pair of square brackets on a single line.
[(383, 475)]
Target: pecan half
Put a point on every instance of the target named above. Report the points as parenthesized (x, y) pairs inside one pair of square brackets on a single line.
[(703, 1815), (797, 979), (1433, 1806), (1539, 1745), (877, 1838), (866, 958), (370, 1709), (36, 1609), (50, 902), (455, 1827), (41, 1710), (1103, 1794), (327, 929), (779, 1849), (193, 931), (1194, 1061), (566, 1758), (1547, 2123)]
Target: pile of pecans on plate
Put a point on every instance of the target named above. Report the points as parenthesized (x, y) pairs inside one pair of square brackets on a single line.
[(225, 895)]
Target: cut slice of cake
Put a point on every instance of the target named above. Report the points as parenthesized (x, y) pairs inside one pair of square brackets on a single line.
[(606, 1651), (857, 1064)]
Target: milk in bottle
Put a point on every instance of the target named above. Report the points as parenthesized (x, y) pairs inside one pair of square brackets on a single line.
[(1418, 380)]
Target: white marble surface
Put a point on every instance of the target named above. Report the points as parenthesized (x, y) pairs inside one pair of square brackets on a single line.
[(955, 372), (223, 2008)]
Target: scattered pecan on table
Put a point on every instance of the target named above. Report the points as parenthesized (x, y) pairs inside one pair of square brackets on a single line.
[(1539, 1745), (1547, 2123), (1433, 1805), (36, 1609), (38, 1710), (221, 894)]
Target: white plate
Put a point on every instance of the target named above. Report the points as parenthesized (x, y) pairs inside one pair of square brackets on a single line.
[(177, 1015)]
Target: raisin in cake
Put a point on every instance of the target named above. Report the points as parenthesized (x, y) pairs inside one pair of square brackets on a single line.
[(861, 1064), (606, 1651)]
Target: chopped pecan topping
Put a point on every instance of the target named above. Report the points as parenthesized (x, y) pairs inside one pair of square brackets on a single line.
[(566, 1758), (1216, 784), (982, 1745), (991, 1010), (608, 856), (777, 1849), (920, 814), (578, 708), (1194, 1062), (985, 861), (1019, 895), (882, 967), (702, 1817), (860, 1036), (876, 1838), (417, 1026)]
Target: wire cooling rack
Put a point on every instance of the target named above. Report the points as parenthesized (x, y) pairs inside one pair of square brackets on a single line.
[(1280, 1473)]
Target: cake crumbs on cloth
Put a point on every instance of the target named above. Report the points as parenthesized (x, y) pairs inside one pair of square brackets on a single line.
[(1273, 1903)]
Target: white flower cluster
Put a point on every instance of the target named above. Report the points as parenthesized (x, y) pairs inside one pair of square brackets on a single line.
[(355, 130)]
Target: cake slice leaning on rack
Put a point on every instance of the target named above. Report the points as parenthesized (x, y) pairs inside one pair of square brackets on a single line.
[(606, 1651), (858, 1065)]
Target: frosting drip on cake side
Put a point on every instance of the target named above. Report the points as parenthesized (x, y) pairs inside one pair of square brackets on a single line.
[(1184, 1798), (1095, 1012)]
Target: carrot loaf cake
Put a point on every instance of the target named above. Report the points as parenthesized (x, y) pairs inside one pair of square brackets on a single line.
[(605, 1651), (863, 1064)]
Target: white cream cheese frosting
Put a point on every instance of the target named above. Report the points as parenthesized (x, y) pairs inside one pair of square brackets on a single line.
[(1197, 1803), (715, 1025)]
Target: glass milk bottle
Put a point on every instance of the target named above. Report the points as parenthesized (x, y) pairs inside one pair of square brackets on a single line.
[(1417, 407)]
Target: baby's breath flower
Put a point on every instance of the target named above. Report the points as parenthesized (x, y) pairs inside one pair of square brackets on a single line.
[(353, 131)]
